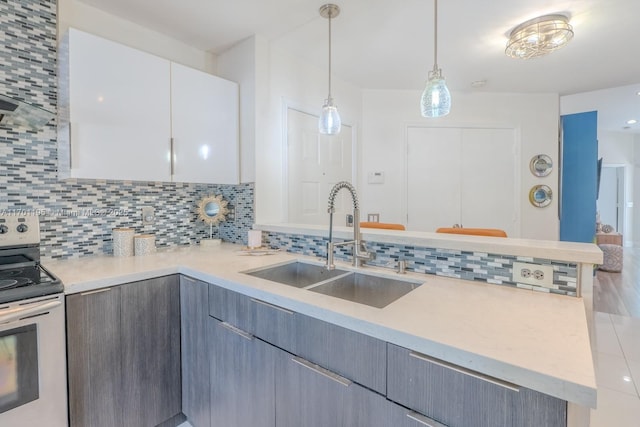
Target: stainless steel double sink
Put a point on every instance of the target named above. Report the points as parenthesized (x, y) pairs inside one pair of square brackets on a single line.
[(364, 288)]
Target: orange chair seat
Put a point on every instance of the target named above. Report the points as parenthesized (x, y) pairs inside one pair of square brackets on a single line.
[(383, 225), (491, 232)]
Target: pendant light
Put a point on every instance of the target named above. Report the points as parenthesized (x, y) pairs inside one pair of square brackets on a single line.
[(436, 99), (329, 122)]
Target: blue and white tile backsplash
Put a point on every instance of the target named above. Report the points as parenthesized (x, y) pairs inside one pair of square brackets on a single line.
[(476, 266), (77, 216)]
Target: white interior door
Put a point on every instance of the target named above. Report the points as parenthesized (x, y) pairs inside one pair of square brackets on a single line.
[(489, 180), (316, 163), (433, 178), (462, 176)]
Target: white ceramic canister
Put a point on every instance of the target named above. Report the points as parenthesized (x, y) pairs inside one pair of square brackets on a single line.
[(145, 244), (122, 241), (254, 239)]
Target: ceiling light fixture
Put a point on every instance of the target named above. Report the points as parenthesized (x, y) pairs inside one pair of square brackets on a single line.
[(329, 122), (436, 99), (539, 36), (632, 122)]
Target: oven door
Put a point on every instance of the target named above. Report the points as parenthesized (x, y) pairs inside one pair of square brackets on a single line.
[(32, 363)]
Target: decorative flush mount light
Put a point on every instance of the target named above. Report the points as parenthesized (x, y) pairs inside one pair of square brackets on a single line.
[(539, 36), (436, 99), (632, 122), (329, 122)]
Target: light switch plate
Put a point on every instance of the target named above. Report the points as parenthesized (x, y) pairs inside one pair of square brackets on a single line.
[(375, 177), (533, 274)]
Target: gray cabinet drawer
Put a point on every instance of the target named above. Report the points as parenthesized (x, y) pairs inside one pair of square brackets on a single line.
[(230, 307), (353, 355), (275, 325), (462, 398)]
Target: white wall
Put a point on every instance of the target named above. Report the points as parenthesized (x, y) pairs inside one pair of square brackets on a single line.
[(72, 13), (617, 149), (285, 80), (239, 64), (386, 114)]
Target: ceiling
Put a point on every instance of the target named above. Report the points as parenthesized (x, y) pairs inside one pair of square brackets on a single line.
[(389, 45)]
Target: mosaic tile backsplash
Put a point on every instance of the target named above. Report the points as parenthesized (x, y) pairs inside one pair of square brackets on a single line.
[(77, 215), (491, 268)]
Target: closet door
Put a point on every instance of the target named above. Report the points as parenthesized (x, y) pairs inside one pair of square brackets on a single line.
[(433, 178), (489, 180), (467, 176)]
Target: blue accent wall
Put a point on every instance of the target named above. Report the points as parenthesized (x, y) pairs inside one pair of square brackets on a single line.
[(579, 177)]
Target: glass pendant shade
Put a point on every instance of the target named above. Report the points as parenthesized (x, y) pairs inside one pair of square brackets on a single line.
[(436, 98), (329, 122)]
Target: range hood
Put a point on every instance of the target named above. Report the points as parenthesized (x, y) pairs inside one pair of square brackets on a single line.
[(18, 113)]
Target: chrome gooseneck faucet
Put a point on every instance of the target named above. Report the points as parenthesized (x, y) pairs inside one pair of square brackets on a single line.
[(359, 250)]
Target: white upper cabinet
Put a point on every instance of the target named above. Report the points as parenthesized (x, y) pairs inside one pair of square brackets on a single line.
[(130, 115), (119, 111), (204, 111)]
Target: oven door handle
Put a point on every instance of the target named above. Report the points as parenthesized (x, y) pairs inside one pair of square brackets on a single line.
[(22, 312)]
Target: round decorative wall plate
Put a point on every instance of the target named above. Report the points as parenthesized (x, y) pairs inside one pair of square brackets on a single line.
[(541, 165), (540, 196)]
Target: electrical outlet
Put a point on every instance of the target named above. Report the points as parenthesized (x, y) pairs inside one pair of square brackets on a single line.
[(533, 274), (148, 215)]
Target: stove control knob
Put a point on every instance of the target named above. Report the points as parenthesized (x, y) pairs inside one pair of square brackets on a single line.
[(3, 229), (22, 228)]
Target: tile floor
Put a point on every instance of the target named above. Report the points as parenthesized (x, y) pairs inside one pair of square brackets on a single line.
[(617, 371)]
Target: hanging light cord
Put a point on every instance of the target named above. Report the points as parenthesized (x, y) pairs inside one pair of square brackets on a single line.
[(435, 35), (330, 15)]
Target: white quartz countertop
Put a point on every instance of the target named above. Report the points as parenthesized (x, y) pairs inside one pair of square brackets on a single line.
[(536, 340)]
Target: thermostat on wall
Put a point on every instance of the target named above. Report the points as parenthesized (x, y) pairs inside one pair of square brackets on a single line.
[(376, 178)]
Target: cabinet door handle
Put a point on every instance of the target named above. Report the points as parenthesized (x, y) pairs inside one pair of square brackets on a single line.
[(421, 419), (71, 165), (99, 291), (464, 371), (237, 331), (275, 307), (320, 370), (171, 156), (189, 279)]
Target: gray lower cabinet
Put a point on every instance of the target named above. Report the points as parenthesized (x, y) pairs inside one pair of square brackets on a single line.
[(242, 378), (356, 356), (94, 357), (275, 325), (231, 307), (124, 354), (308, 395), (458, 397), (311, 396), (271, 367), (194, 319)]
